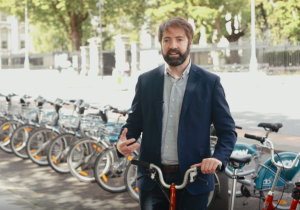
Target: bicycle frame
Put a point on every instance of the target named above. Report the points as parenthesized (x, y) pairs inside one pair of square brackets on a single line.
[(268, 204)]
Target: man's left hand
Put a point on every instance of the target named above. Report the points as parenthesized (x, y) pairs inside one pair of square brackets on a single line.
[(208, 165)]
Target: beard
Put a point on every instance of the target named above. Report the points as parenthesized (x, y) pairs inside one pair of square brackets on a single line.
[(176, 61)]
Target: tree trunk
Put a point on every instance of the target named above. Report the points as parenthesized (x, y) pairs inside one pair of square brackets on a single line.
[(76, 29), (76, 40), (234, 57)]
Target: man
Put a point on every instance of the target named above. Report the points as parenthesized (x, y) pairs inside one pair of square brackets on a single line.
[(174, 107)]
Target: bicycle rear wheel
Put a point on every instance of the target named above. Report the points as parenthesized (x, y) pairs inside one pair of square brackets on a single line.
[(58, 152), (19, 139), (6, 130), (82, 157), (109, 170), (38, 144)]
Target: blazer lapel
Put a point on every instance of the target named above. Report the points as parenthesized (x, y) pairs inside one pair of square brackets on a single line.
[(158, 95), (191, 85)]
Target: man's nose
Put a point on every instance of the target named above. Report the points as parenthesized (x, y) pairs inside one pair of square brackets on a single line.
[(173, 45)]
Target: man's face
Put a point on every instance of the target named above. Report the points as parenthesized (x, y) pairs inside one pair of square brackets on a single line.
[(175, 46)]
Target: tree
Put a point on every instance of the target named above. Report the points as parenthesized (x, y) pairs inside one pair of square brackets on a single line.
[(282, 18), (71, 15), (210, 14)]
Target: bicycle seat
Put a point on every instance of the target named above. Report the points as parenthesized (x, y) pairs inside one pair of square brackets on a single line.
[(272, 126), (236, 161)]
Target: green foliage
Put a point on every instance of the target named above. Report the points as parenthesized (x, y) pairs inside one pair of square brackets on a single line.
[(283, 19), (207, 13), (49, 39), (72, 17)]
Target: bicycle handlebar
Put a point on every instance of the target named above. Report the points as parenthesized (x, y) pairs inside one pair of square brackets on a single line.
[(193, 171), (261, 139), (238, 127), (265, 141), (280, 164)]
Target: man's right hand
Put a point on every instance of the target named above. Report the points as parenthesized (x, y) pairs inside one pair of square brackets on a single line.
[(123, 142)]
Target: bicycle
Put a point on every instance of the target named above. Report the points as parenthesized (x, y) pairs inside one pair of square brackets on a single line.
[(130, 174), (38, 142), (19, 137), (263, 175), (109, 168), (83, 154), (59, 148), (269, 202), (13, 119), (192, 172)]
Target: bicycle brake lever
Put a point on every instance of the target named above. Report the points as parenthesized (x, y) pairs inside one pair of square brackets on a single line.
[(143, 176), (198, 178)]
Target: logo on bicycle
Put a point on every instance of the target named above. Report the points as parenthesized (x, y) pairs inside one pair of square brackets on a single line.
[(266, 204), (268, 182), (240, 152), (288, 163)]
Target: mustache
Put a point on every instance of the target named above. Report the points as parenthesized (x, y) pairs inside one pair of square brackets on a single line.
[(173, 51)]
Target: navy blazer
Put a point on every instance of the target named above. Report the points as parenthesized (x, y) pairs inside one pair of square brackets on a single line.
[(204, 103)]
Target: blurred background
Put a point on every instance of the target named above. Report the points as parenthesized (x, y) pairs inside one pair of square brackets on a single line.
[(93, 48)]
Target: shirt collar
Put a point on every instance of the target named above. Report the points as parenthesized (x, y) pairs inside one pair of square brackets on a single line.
[(184, 73)]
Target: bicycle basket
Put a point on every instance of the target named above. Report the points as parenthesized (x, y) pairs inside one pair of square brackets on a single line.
[(48, 116), (91, 125), (15, 109), (112, 131), (68, 118), (30, 113)]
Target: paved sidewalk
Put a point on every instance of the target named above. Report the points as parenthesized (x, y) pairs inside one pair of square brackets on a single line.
[(17, 197)]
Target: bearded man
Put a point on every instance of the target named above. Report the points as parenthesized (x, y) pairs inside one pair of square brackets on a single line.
[(174, 107)]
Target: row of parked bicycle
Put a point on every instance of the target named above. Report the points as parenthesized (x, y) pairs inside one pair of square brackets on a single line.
[(76, 137)]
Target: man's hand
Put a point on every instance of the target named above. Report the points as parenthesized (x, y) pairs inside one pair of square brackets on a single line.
[(123, 142), (208, 165)]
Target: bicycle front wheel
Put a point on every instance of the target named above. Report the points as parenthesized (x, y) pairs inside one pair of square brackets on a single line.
[(37, 145), (130, 176), (6, 130), (82, 157), (109, 171), (19, 139), (58, 152)]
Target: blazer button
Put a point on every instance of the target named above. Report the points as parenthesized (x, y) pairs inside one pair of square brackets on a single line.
[(157, 152)]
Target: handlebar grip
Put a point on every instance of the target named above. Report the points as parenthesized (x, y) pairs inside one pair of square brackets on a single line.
[(72, 101), (261, 139), (199, 168), (238, 127), (140, 163)]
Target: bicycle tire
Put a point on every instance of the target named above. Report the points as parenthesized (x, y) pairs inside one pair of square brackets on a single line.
[(37, 145), (109, 170), (130, 183), (58, 152), (2, 120), (82, 157), (19, 139), (6, 130)]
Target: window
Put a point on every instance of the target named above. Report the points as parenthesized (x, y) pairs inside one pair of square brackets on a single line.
[(4, 38), (3, 17)]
